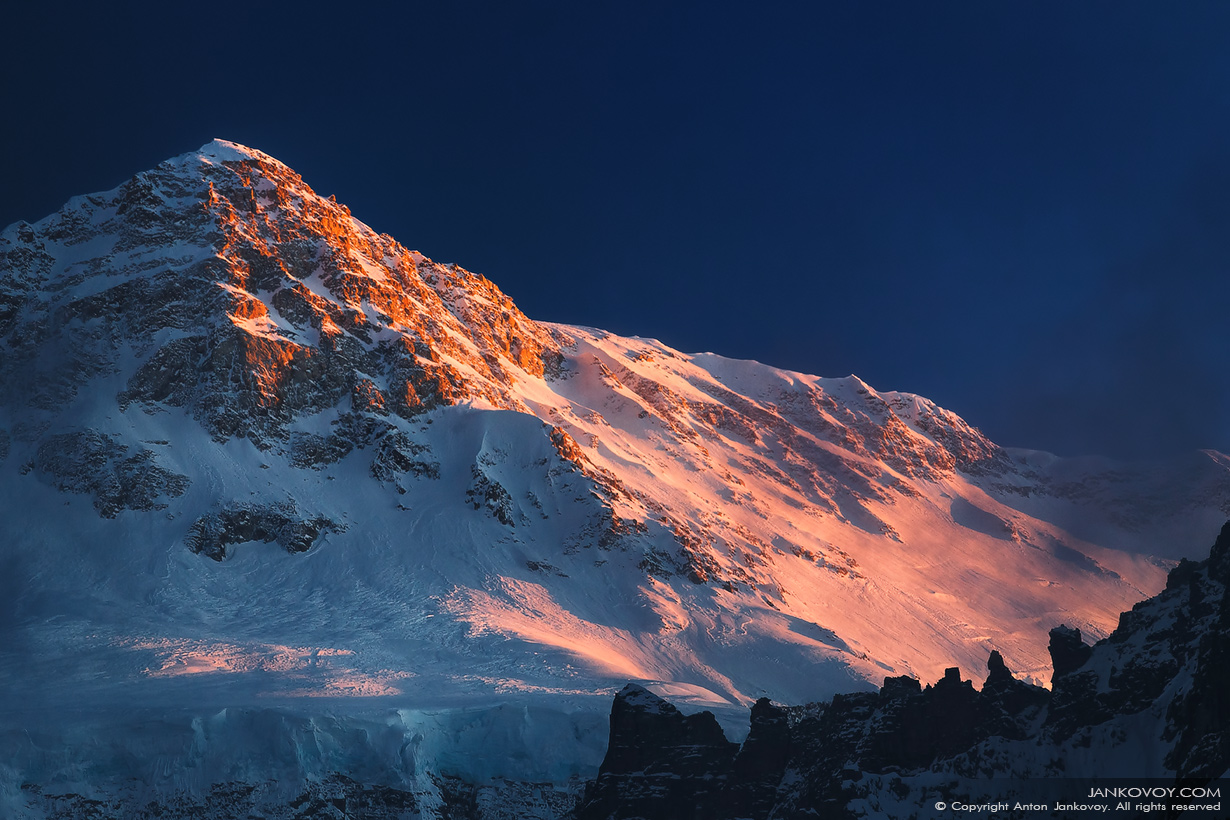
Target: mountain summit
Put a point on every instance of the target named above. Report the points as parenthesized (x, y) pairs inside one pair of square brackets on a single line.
[(254, 451)]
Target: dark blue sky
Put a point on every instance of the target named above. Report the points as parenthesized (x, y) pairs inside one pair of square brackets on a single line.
[(1020, 210)]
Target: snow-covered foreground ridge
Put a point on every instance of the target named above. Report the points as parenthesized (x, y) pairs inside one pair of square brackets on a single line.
[(256, 453)]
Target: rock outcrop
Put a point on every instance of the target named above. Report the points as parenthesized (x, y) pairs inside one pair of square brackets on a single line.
[(215, 533), (116, 476), (661, 762)]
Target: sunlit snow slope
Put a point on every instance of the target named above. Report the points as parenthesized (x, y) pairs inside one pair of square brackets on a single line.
[(255, 452)]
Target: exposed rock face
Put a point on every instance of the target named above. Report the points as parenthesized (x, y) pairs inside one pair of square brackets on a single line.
[(397, 456), (489, 494), (1199, 719), (1167, 661), (1009, 705), (251, 300), (660, 762), (904, 728), (761, 762), (794, 767), (95, 464), (1068, 652), (1169, 651), (1178, 635), (237, 523)]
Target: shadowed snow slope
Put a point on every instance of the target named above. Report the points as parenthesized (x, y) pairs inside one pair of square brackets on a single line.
[(256, 453)]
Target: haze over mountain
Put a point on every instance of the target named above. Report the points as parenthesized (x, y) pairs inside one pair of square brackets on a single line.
[(255, 454)]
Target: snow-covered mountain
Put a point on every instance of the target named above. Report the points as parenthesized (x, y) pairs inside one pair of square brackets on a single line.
[(256, 456)]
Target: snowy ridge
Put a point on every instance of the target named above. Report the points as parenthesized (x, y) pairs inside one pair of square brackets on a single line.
[(261, 455)]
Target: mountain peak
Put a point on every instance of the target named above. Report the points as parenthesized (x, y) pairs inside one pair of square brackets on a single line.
[(224, 150), (260, 300), (215, 161)]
